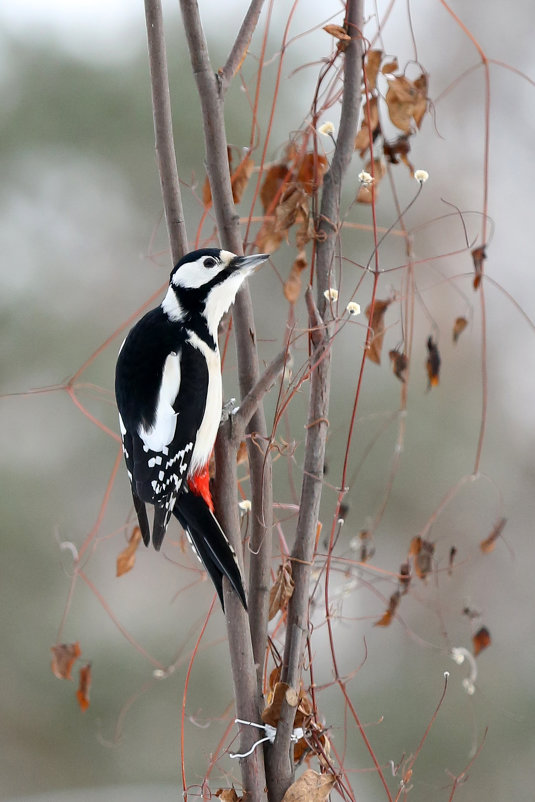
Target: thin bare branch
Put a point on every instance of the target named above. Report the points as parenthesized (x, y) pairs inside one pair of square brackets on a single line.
[(241, 45), (278, 765), (255, 395), (163, 130), (211, 98)]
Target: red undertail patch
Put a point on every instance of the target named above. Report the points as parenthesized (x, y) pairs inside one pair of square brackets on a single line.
[(199, 484)]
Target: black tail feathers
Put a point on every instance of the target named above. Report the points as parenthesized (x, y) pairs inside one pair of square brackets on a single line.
[(210, 543)]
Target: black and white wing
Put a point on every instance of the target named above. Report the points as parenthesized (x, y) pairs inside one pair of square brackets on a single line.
[(158, 444)]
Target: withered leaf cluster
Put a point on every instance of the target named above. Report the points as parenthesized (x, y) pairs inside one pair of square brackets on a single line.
[(239, 178), (285, 196), (64, 655), (404, 581), (406, 104), (282, 590), (315, 738)]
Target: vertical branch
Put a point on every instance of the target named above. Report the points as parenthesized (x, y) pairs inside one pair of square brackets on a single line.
[(247, 642), (163, 130), (278, 763), (211, 97)]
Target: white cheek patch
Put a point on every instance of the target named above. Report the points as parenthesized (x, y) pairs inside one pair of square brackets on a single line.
[(162, 432), (194, 274)]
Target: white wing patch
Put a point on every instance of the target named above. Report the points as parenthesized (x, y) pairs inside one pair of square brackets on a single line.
[(162, 432)]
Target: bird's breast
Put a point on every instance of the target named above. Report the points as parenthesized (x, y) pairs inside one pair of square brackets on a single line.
[(207, 432)]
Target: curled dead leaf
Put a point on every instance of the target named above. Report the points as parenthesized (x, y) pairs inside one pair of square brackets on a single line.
[(376, 321), (127, 558), (433, 363), (481, 640), (272, 712), (390, 66), (273, 181), (393, 604), (478, 255), (228, 795), (406, 101), (458, 327), (369, 126), (282, 590), (64, 655), (310, 787), (422, 551), (404, 577), (310, 171), (292, 285), (338, 32), (400, 364), (84, 686), (240, 178), (398, 149), (372, 64), (489, 544)]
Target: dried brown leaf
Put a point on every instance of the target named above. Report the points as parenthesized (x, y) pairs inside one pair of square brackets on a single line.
[(228, 795), (362, 140), (389, 66), (272, 712), (458, 327), (378, 329), (481, 640), (282, 590), (406, 101), (420, 106), (292, 285), (292, 207), (400, 364), (241, 177), (489, 544), (398, 149), (478, 255), (451, 560), (373, 62), (338, 32), (404, 577), (127, 558), (84, 686), (310, 171), (270, 237), (272, 183), (433, 363), (393, 604), (64, 655), (423, 561), (310, 787)]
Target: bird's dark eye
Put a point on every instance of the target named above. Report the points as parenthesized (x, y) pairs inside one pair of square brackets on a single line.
[(210, 261)]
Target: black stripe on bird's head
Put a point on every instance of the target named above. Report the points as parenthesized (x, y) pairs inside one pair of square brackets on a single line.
[(205, 282)]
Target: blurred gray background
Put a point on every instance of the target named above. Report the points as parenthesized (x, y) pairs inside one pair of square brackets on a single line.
[(84, 246)]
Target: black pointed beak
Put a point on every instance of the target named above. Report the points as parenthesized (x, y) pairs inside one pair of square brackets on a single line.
[(247, 264)]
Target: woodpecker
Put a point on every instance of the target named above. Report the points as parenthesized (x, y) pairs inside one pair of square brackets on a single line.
[(169, 395)]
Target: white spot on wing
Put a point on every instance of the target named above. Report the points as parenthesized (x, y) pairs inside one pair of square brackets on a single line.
[(162, 432)]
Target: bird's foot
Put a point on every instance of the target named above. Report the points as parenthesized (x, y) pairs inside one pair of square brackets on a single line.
[(229, 409)]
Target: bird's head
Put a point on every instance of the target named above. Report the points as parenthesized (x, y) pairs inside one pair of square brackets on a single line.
[(206, 282)]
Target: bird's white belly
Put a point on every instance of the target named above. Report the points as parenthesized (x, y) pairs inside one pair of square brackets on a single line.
[(212, 413)]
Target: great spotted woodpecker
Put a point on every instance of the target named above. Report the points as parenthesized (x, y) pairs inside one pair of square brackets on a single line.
[(168, 390)]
